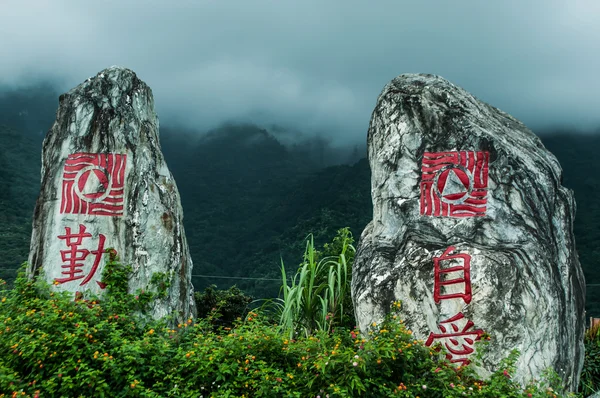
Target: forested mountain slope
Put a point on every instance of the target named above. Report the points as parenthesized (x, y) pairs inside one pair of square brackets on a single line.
[(250, 201), (19, 185)]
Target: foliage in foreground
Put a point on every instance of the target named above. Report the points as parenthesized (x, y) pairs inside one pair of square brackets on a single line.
[(230, 304), (51, 345), (318, 296), (590, 375)]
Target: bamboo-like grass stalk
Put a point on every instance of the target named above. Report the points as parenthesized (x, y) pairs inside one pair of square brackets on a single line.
[(314, 299)]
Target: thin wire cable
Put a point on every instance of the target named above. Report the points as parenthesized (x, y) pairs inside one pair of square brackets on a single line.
[(204, 276), (237, 277), (249, 278)]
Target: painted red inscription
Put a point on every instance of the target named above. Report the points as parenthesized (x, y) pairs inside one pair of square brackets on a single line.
[(74, 257), (454, 184), (458, 341), (452, 270), (93, 184)]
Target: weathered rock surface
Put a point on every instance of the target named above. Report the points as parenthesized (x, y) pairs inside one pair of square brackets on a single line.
[(105, 184), (471, 230)]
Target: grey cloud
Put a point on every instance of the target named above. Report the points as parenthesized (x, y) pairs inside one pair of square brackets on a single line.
[(317, 66)]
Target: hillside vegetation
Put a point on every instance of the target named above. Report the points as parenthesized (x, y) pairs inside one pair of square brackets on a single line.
[(249, 200)]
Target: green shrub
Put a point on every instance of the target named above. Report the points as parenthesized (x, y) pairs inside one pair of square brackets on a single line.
[(53, 346), (590, 375), (230, 304)]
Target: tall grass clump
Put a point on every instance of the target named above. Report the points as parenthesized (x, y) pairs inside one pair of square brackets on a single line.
[(317, 297)]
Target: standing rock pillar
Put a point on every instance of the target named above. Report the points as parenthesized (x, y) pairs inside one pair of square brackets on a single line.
[(105, 184), (471, 230)]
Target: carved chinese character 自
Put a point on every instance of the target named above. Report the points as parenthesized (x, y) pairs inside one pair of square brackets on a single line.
[(93, 183), (76, 255), (458, 341), (448, 265), (454, 184)]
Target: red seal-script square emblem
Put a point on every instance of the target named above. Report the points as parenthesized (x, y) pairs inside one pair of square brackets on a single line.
[(93, 184), (454, 184)]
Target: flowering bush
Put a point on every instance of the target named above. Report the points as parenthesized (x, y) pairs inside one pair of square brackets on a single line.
[(51, 345)]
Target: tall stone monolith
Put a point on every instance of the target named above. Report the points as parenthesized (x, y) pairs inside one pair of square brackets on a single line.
[(471, 230), (105, 184)]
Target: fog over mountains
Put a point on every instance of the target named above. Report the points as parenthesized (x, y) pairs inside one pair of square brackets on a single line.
[(312, 66)]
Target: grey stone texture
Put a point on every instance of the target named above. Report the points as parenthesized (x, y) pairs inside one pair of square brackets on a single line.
[(527, 286), (104, 178)]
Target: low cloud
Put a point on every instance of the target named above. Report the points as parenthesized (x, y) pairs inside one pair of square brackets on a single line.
[(315, 66)]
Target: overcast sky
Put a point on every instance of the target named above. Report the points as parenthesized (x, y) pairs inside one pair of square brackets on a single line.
[(315, 65)]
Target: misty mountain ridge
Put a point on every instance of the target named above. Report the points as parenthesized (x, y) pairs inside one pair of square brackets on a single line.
[(251, 194)]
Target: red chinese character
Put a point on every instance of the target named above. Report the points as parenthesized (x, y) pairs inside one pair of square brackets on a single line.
[(464, 266), (75, 256), (456, 342), (454, 183), (93, 183)]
